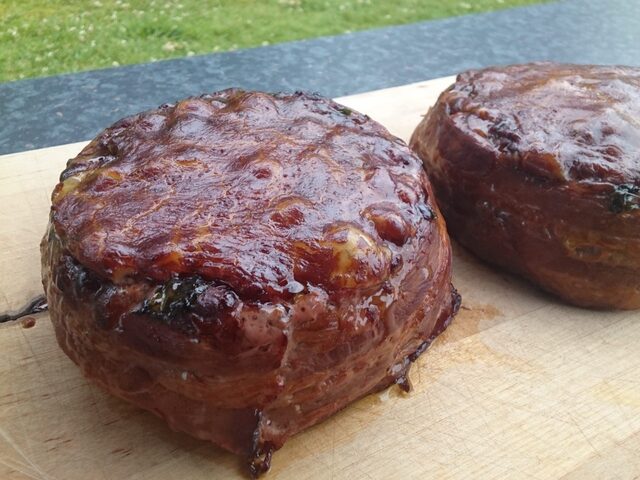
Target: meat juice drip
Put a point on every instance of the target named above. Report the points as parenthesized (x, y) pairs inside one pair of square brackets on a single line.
[(37, 305), (28, 322)]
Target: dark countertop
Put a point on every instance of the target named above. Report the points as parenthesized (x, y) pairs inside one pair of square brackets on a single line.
[(67, 108)]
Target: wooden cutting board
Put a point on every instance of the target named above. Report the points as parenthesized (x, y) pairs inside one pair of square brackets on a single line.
[(520, 386)]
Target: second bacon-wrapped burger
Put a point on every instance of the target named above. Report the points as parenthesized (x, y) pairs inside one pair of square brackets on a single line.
[(537, 169)]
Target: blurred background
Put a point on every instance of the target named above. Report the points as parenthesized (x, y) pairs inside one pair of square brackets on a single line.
[(48, 37)]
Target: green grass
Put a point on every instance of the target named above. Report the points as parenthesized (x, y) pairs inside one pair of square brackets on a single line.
[(46, 37)]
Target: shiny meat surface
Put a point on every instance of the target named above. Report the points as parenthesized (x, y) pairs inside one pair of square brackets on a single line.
[(246, 264), (264, 193), (559, 122), (537, 169)]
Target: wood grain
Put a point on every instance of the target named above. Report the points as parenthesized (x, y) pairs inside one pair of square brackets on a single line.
[(520, 386)]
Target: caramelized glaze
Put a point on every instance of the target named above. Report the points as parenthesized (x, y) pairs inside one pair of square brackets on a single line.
[(537, 170), (245, 264)]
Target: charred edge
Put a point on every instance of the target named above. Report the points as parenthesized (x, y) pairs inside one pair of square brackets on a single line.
[(172, 298), (404, 383), (426, 211), (261, 461), (256, 432), (260, 458), (37, 305), (504, 136), (625, 198), (456, 301), (420, 350)]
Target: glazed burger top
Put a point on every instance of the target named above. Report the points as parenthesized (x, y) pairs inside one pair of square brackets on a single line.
[(554, 121), (202, 188)]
